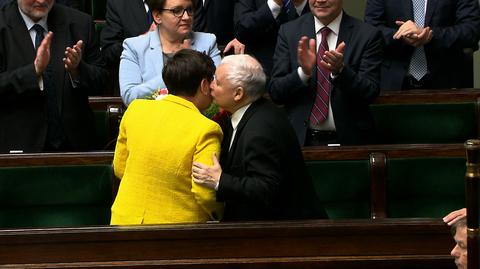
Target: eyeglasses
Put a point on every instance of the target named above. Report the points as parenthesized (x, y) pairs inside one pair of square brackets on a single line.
[(179, 12)]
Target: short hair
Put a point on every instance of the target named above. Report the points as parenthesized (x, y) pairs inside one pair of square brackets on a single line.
[(460, 223), (160, 4), (245, 71), (184, 72)]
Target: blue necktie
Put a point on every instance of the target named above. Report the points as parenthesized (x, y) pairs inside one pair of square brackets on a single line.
[(418, 62)]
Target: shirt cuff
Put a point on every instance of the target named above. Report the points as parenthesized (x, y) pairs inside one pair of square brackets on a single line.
[(274, 7), (303, 77)]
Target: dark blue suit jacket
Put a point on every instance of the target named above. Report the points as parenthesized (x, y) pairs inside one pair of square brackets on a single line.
[(353, 90), (455, 25), (257, 29)]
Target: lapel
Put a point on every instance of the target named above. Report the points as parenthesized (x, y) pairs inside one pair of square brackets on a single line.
[(156, 51), (241, 125), (20, 32), (431, 5), (63, 32), (345, 31), (207, 2), (306, 9)]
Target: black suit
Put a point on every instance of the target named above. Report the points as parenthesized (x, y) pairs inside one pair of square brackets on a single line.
[(23, 107), (124, 18), (352, 91), (256, 27), (455, 25), (216, 17), (264, 175)]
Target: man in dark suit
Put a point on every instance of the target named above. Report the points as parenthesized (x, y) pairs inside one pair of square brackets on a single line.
[(48, 68), (257, 23), (262, 173), (338, 83), (124, 19), (433, 39)]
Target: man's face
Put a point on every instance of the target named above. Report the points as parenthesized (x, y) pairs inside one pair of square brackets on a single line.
[(326, 10), (222, 90), (460, 249), (35, 9)]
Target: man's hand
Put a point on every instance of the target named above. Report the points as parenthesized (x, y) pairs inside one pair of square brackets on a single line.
[(306, 55), (238, 47), (406, 29), (205, 175), (413, 35), (333, 60), (72, 59), (454, 216), (42, 59)]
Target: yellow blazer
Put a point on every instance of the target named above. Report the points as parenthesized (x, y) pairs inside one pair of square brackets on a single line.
[(157, 143)]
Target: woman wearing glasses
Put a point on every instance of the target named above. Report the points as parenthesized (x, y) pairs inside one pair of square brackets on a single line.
[(143, 57)]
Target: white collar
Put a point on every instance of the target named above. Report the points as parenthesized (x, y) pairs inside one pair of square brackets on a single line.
[(30, 23), (334, 25), (238, 115)]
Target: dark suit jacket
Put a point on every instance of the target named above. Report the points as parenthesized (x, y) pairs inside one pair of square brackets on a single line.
[(124, 18), (264, 175), (257, 29), (215, 17), (352, 91), (455, 25), (23, 107)]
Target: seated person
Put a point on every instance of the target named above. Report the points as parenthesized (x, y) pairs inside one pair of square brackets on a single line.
[(459, 252), (157, 144), (143, 57)]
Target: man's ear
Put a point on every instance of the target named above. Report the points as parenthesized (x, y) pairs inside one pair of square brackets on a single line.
[(238, 93)]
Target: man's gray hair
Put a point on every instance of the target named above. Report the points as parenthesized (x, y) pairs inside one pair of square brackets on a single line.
[(246, 72)]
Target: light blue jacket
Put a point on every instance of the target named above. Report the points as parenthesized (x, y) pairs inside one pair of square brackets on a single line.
[(141, 63)]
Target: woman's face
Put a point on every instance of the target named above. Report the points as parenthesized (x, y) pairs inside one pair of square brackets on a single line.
[(176, 18)]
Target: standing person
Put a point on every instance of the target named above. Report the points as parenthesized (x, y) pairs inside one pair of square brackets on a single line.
[(425, 41), (459, 252), (157, 143), (261, 174), (257, 23), (143, 57), (50, 64), (216, 17), (124, 19), (326, 73)]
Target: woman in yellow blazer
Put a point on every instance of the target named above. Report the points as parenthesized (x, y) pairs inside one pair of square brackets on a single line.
[(158, 142)]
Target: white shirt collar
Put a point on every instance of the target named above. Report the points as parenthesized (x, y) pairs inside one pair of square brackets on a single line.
[(29, 22), (238, 115), (334, 25), (300, 7)]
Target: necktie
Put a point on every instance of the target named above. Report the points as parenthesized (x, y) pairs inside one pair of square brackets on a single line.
[(418, 62), (38, 34), (290, 10), (320, 107), (55, 133)]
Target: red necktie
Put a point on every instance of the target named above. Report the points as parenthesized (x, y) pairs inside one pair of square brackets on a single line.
[(320, 106)]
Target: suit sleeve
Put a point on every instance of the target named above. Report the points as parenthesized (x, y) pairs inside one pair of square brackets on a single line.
[(19, 81), (93, 75), (285, 82), (214, 52), (363, 82), (132, 85), (263, 177), (465, 30), (375, 15), (207, 145), (252, 22), (112, 35)]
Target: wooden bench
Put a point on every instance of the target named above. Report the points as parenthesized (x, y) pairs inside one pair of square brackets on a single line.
[(387, 243), (108, 113), (388, 180), (55, 189), (429, 116)]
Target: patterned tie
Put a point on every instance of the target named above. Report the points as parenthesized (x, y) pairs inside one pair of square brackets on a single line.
[(418, 62), (287, 5), (320, 106)]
